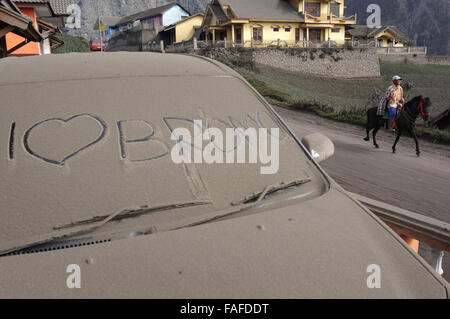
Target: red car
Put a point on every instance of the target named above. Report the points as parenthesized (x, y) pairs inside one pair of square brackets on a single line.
[(95, 44)]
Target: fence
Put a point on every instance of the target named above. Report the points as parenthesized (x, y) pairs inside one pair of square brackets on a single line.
[(196, 44), (402, 50)]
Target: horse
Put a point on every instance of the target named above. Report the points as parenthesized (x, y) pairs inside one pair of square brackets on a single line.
[(404, 122)]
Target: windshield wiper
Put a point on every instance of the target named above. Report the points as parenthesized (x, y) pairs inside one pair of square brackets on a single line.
[(248, 202), (96, 222), (258, 196), (131, 213)]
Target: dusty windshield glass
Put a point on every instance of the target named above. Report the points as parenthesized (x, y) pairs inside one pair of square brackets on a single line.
[(96, 147)]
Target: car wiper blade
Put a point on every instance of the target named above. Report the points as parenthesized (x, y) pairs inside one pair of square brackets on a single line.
[(131, 213), (89, 225), (237, 207), (271, 189)]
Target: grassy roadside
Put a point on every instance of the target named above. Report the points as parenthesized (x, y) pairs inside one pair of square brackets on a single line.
[(352, 94), (355, 116)]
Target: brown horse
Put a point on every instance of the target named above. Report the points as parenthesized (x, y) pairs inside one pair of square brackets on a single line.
[(405, 122)]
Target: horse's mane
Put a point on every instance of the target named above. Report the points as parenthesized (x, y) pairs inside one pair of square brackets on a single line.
[(415, 101)]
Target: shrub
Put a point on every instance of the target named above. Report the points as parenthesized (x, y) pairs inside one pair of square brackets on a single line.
[(71, 44)]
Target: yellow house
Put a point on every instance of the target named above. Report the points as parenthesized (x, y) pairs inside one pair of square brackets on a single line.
[(387, 36), (266, 22), (182, 30)]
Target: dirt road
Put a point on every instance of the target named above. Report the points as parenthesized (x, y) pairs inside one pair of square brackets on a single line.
[(421, 185)]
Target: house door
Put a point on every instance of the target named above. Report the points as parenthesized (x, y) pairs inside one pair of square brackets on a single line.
[(315, 35), (297, 35), (238, 35), (222, 35)]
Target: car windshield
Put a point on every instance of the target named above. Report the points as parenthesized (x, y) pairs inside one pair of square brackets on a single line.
[(95, 147)]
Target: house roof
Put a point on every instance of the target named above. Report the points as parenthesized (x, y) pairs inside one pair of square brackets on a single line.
[(263, 9), (216, 8), (115, 21), (363, 31), (31, 1), (149, 13), (43, 4), (60, 6), (11, 16), (9, 4)]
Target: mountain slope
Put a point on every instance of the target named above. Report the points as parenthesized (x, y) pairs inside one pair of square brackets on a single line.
[(425, 21)]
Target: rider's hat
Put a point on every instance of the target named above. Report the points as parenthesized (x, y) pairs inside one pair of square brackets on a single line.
[(396, 77)]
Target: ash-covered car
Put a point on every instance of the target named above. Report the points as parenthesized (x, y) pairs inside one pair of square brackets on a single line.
[(94, 204)]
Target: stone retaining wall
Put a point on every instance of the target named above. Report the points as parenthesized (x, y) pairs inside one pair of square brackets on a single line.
[(329, 62)]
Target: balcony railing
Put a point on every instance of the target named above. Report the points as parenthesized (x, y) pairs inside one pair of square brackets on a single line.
[(331, 18)]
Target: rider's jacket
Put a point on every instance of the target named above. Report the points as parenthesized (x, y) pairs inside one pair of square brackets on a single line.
[(391, 98)]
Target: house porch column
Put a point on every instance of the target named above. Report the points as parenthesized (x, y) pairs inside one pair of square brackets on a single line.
[(232, 34)]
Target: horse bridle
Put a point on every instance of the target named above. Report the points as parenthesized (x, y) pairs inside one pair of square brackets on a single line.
[(420, 108)]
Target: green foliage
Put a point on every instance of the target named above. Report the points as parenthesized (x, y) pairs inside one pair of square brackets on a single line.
[(354, 94), (433, 134), (272, 95), (72, 44), (345, 114)]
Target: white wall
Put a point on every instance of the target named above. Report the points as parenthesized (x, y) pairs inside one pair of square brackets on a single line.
[(173, 15)]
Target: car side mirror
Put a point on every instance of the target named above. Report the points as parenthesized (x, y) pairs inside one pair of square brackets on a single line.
[(319, 146)]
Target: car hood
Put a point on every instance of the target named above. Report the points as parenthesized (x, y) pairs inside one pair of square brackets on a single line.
[(307, 250)]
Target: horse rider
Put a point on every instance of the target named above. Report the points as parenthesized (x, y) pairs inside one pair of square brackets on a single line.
[(392, 100)]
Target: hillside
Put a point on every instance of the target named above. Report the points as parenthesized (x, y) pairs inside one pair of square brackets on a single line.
[(357, 95), (425, 21)]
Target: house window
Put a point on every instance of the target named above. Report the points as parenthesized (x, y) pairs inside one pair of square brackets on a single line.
[(336, 30), (297, 34), (313, 8), (335, 9), (287, 29), (276, 29), (258, 34)]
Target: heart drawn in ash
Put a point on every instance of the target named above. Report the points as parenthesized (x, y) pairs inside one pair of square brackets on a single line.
[(70, 136)]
